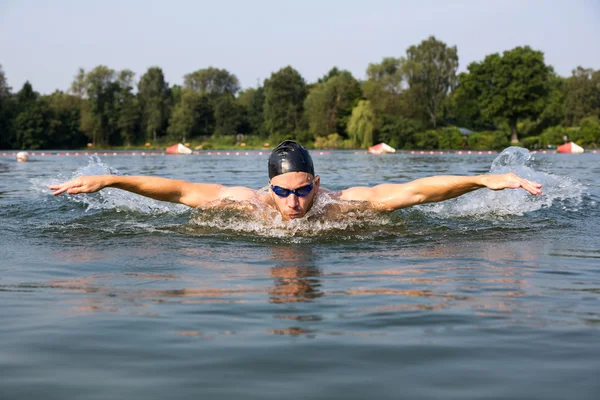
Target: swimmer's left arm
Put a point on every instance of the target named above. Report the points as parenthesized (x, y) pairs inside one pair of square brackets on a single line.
[(433, 189)]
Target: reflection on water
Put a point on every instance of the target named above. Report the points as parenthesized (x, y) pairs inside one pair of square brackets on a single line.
[(490, 293), (295, 276), (500, 286)]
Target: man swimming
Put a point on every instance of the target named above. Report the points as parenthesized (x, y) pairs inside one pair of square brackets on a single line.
[(293, 187)]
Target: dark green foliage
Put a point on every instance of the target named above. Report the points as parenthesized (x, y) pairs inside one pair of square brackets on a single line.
[(509, 87), (155, 102), (430, 70), (285, 92), (329, 105), (500, 96)]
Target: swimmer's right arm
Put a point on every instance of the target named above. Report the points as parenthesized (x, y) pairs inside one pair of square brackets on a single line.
[(163, 189)]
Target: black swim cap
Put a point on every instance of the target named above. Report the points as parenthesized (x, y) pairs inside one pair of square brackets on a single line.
[(289, 156)]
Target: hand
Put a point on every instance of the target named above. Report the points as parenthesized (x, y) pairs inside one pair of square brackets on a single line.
[(511, 181), (83, 184)]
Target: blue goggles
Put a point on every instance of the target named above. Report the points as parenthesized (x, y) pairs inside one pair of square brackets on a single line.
[(300, 192)]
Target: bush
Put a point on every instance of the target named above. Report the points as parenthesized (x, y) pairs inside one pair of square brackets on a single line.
[(489, 140), (426, 140), (396, 131), (333, 141), (589, 132), (553, 136), (450, 139), (532, 142)]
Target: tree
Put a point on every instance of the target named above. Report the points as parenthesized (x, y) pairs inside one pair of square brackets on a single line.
[(64, 121), (329, 105), (100, 87), (184, 116), (7, 113), (154, 96), (582, 95), (362, 124), (128, 109), (335, 71), (285, 92), (230, 118), (31, 123), (389, 73), (193, 115), (212, 81), (109, 111), (430, 69), (509, 87), (253, 100)]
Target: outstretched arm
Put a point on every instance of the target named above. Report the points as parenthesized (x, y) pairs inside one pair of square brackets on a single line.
[(434, 189), (174, 191)]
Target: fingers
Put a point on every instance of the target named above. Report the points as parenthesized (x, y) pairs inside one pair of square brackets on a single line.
[(69, 187), (58, 190), (531, 187)]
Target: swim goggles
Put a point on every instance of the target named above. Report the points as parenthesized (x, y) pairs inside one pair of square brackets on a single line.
[(300, 192)]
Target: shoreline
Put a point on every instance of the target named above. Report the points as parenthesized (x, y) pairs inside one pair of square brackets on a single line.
[(143, 153)]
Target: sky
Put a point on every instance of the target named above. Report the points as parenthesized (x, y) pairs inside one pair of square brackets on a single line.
[(46, 42)]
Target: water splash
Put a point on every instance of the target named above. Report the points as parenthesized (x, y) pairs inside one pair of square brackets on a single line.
[(558, 191), (327, 218), (339, 220), (109, 198)]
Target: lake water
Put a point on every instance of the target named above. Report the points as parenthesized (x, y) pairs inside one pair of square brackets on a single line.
[(494, 295)]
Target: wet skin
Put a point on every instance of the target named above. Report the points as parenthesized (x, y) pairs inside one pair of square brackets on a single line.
[(293, 206)]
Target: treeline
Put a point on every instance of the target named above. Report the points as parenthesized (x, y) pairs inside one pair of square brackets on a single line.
[(414, 101)]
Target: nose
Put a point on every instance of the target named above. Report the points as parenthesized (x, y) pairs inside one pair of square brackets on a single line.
[(292, 201)]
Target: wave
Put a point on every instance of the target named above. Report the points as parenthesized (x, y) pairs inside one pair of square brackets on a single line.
[(331, 218), (562, 192)]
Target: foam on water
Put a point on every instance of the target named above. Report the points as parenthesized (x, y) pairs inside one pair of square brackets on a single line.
[(109, 198), (557, 191), (327, 217), (333, 218)]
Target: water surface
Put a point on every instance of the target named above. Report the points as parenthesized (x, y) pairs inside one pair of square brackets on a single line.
[(112, 295)]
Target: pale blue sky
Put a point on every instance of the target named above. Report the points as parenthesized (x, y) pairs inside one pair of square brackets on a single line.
[(45, 42)]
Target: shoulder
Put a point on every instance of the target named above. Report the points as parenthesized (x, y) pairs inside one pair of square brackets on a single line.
[(238, 193)]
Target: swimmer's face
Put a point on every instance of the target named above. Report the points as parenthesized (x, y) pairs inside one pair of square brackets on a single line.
[(293, 206)]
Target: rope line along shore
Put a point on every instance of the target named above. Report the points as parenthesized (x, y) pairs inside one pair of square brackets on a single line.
[(108, 153)]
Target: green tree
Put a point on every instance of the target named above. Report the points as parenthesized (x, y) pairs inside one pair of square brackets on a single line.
[(253, 100), (64, 121), (582, 95), (184, 117), (100, 87), (430, 70), (285, 92), (589, 133), (212, 81), (362, 124), (389, 73), (7, 113), (192, 116), (109, 111), (396, 130), (31, 123), (553, 113), (127, 107), (154, 99), (230, 117), (335, 71), (509, 87), (329, 105)]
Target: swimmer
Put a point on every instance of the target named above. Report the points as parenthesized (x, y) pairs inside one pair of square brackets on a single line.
[(22, 156), (293, 187)]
